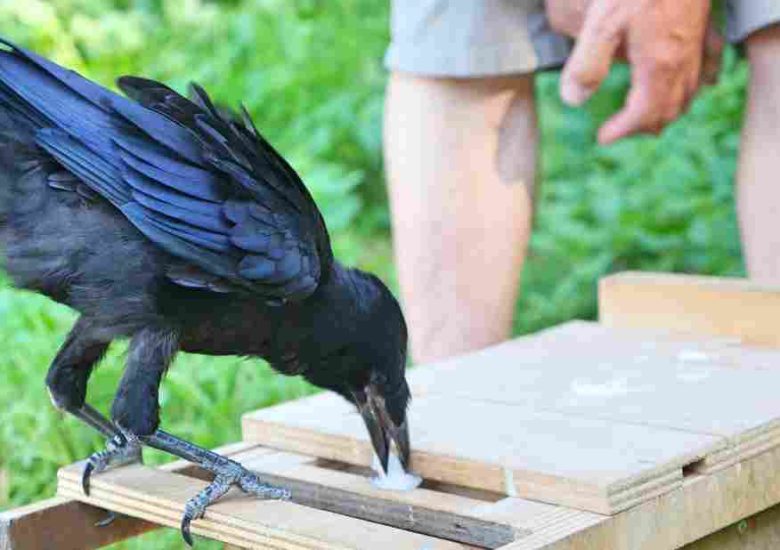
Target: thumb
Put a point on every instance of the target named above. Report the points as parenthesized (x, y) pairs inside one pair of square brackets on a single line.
[(594, 51)]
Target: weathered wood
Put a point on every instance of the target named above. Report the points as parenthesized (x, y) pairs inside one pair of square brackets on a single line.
[(703, 505), (238, 519), (65, 525), (591, 464), (432, 513), (759, 532), (42, 525), (728, 307)]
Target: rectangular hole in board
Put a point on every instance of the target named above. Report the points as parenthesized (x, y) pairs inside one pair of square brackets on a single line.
[(693, 469), (430, 484)]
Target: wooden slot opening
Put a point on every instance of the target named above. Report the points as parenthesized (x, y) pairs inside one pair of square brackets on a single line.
[(693, 469), (430, 484)]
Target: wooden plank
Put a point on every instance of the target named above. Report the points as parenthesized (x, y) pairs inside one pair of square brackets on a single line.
[(540, 521), (423, 511), (595, 372), (39, 525), (63, 524), (759, 532), (702, 505), (596, 465), (540, 524), (160, 496), (706, 305), (601, 419)]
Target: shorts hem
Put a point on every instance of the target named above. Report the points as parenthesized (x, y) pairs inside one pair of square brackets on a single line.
[(485, 61)]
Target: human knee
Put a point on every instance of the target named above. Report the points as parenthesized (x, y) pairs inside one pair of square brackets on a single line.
[(763, 49), (516, 152)]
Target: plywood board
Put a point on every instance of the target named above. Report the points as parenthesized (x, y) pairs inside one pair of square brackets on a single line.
[(701, 506), (706, 305), (41, 526), (559, 459), (758, 532), (159, 496), (671, 520), (63, 524), (693, 384), (351, 493), (585, 416)]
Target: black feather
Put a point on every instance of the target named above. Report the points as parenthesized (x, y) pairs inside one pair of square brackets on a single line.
[(175, 223)]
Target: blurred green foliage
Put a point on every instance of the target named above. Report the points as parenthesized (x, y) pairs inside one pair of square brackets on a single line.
[(311, 74)]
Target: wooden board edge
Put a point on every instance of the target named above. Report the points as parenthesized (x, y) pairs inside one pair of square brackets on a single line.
[(718, 306), (701, 505), (123, 492), (41, 526), (512, 482)]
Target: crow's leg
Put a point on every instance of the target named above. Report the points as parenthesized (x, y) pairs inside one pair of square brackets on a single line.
[(227, 473), (137, 413), (67, 382), (92, 417), (69, 372), (135, 410)]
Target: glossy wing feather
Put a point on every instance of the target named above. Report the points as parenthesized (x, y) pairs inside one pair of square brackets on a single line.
[(199, 182)]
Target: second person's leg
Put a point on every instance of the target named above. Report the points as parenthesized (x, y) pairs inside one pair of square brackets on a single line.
[(460, 158), (460, 151)]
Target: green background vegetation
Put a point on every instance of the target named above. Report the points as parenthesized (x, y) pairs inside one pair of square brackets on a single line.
[(311, 74)]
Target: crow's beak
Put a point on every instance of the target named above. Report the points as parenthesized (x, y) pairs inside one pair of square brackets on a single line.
[(381, 428)]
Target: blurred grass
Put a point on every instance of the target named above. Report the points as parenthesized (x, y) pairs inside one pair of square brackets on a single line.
[(310, 73)]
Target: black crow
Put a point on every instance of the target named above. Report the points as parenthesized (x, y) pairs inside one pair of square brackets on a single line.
[(175, 224)]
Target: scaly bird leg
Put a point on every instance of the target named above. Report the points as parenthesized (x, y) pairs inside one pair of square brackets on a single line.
[(67, 382), (92, 417), (227, 473), (120, 449), (136, 412)]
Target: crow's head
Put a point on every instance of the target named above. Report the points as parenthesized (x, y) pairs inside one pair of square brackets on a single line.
[(383, 399), (371, 368)]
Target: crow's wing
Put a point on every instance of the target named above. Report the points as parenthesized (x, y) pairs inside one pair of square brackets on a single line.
[(201, 184)]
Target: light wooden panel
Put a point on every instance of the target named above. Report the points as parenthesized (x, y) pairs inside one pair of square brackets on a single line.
[(693, 384), (707, 305), (67, 524), (63, 524), (596, 465), (585, 416), (159, 496), (349, 493), (758, 532), (702, 505)]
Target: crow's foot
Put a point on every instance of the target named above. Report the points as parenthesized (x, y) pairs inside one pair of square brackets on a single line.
[(121, 449), (235, 474), (227, 474)]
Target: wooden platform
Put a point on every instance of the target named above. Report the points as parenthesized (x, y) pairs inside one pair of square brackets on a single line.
[(585, 436), (584, 416)]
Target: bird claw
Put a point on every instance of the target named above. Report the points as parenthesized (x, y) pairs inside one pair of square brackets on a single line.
[(227, 476), (108, 520), (120, 450)]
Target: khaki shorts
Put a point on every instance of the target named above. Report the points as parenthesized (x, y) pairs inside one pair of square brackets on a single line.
[(472, 38)]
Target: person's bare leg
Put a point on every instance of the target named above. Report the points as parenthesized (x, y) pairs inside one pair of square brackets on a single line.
[(460, 157), (759, 162)]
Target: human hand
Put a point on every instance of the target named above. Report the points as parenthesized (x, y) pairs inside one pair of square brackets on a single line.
[(663, 41)]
